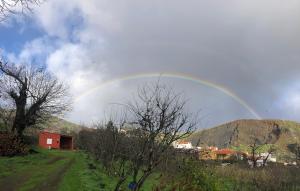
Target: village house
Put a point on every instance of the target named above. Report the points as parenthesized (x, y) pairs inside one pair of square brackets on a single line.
[(214, 153), (208, 153), (182, 145), (212, 148), (259, 162), (224, 154)]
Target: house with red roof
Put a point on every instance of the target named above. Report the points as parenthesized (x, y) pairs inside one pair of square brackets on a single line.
[(229, 154)]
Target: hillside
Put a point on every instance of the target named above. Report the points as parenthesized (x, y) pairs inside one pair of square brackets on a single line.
[(59, 125), (53, 124), (238, 134)]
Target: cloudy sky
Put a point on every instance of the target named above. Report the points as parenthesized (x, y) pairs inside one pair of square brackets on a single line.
[(233, 59)]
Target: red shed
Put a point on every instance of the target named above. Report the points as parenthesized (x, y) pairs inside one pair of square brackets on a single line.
[(55, 141)]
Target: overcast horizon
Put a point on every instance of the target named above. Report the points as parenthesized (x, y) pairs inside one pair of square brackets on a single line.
[(232, 59)]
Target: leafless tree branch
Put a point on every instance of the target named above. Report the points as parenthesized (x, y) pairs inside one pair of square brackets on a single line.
[(8, 7)]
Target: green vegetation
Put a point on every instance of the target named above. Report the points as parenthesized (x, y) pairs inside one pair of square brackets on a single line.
[(56, 170), (78, 171), (72, 171), (245, 148), (211, 176), (49, 169)]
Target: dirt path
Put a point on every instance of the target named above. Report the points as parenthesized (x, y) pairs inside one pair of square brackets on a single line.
[(53, 180), (54, 160), (15, 181)]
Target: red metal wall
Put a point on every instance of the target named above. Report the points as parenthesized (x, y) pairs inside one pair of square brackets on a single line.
[(46, 135)]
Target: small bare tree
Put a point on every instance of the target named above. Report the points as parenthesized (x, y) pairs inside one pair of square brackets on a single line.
[(270, 151), (33, 93), (113, 149), (295, 149), (254, 147), (8, 7), (160, 118)]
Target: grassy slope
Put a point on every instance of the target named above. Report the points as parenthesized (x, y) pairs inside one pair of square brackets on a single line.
[(55, 170), (60, 125)]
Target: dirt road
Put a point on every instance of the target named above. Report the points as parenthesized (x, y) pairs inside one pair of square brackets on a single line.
[(46, 177)]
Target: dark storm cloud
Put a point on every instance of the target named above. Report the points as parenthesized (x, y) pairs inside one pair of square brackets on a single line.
[(252, 47)]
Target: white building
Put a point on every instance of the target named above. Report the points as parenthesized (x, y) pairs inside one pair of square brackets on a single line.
[(182, 145), (270, 157), (261, 159), (259, 163)]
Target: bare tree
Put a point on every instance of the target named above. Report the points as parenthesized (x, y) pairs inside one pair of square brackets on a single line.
[(136, 145), (8, 7), (254, 147), (270, 151), (34, 94), (160, 118), (295, 149), (113, 149)]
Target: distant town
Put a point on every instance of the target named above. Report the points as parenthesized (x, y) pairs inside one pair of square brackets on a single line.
[(226, 154)]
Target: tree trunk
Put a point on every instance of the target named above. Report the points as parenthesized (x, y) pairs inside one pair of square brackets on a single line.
[(20, 118), (135, 173), (266, 159), (19, 122), (142, 181), (119, 184)]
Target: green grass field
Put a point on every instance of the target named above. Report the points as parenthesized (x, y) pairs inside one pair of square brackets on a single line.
[(52, 170), (55, 170)]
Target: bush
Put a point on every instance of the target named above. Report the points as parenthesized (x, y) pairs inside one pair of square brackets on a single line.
[(11, 145)]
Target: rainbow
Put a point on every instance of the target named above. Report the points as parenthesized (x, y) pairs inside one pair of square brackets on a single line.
[(176, 75)]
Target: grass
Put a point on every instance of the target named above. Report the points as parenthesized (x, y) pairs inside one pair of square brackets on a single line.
[(76, 171), (80, 177), (58, 170)]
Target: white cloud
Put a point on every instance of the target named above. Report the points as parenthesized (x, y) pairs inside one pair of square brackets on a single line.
[(54, 15), (34, 51)]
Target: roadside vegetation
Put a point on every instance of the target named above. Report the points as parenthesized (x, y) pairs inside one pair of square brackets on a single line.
[(72, 171), (56, 170), (211, 175)]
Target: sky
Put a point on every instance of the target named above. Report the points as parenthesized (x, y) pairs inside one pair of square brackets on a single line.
[(232, 59)]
